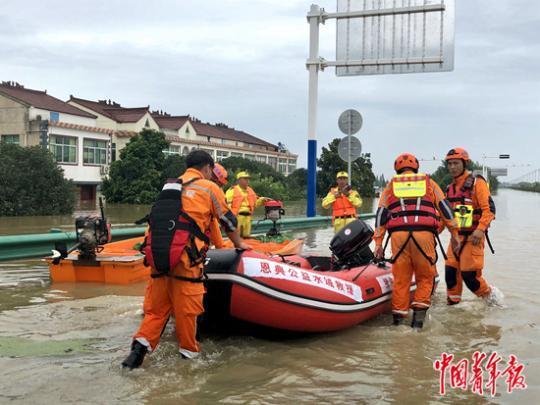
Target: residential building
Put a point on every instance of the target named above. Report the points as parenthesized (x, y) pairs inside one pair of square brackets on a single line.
[(32, 117), (85, 136), (185, 133)]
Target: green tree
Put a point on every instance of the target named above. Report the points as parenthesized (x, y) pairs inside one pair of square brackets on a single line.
[(296, 183), (137, 177), (443, 178), (239, 164), (330, 163), (31, 183), (173, 166)]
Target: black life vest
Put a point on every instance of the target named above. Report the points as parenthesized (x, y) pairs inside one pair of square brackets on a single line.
[(172, 231)]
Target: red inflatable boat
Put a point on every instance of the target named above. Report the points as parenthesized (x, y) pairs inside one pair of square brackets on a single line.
[(299, 293)]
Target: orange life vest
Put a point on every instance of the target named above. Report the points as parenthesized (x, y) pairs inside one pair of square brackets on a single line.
[(342, 207), (238, 199), (413, 209), (464, 205)]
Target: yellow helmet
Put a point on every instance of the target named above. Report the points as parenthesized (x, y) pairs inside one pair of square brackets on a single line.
[(342, 174), (242, 175)]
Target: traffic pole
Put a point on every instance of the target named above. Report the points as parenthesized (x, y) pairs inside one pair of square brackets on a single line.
[(313, 89)]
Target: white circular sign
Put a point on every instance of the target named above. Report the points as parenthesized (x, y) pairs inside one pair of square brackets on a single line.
[(350, 122)]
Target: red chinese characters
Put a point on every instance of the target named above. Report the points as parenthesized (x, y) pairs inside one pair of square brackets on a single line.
[(483, 374)]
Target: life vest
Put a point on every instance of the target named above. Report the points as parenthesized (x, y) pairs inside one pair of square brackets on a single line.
[(238, 199), (410, 206), (171, 232), (342, 207), (466, 212)]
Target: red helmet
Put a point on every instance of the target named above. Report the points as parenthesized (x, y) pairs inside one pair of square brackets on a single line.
[(406, 160), (457, 153), (220, 174)]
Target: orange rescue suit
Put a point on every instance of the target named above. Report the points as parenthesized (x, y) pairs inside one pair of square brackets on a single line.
[(166, 296), (470, 263), (415, 258)]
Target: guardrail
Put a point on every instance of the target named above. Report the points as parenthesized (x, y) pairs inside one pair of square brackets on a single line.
[(14, 247)]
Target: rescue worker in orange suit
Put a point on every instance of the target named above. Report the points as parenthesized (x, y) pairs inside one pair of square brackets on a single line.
[(344, 202), (219, 176), (180, 291), (474, 210), (410, 210), (243, 200)]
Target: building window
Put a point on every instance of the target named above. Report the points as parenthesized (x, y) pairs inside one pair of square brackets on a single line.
[(113, 152), (221, 154), (208, 138), (272, 161), (236, 154), (209, 151), (172, 150), (10, 139), (292, 165), (282, 168), (187, 129), (185, 151), (147, 123), (63, 148), (248, 156), (94, 152), (261, 159), (222, 141)]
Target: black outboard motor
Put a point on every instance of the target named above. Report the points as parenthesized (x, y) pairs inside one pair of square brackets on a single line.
[(350, 246)]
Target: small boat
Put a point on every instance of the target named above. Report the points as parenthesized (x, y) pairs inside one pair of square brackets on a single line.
[(306, 294), (122, 263)]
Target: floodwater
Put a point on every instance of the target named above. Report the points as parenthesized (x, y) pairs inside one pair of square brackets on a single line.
[(64, 342)]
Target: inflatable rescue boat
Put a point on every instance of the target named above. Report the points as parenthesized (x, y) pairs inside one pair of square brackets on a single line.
[(298, 293)]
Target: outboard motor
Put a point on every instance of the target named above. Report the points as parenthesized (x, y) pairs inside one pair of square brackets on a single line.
[(350, 246), (273, 210), (91, 231)]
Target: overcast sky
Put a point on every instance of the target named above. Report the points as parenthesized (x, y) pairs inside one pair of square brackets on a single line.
[(242, 62)]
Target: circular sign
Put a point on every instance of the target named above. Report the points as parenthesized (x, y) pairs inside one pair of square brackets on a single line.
[(343, 148), (350, 122)]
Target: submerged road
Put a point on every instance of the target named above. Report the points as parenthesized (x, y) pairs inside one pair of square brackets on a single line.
[(64, 343)]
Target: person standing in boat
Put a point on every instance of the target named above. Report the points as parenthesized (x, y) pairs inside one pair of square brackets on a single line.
[(410, 209), (177, 288), (344, 202), (474, 210), (242, 200)]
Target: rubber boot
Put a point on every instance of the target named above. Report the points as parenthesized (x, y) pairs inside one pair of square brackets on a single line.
[(397, 319), (136, 357), (419, 315)]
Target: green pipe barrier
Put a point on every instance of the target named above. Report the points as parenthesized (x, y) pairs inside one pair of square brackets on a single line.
[(14, 247)]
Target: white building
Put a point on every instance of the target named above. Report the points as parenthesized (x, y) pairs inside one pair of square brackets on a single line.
[(184, 133), (85, 136), (32, 117)]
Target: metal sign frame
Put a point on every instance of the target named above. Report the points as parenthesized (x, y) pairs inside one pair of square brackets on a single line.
[(315, 17)]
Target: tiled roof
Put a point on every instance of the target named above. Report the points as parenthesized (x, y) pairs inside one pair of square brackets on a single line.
[(61, 124), (222, 131), (168, 122), (40, 99), (127, 114), (112, 110)]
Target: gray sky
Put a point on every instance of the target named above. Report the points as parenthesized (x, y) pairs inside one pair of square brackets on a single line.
[(242, 62)]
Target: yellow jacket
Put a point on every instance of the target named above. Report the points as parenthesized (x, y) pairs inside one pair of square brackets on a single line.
[(244, 207), (353, 197)]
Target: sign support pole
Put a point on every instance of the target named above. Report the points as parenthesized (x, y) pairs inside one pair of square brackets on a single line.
[(313, 67)]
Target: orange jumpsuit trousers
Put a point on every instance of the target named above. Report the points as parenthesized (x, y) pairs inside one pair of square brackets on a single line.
[(166, 296), (411, 262), (467, 268)]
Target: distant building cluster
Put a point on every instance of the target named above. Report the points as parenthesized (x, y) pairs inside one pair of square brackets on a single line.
[(86, 136)]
